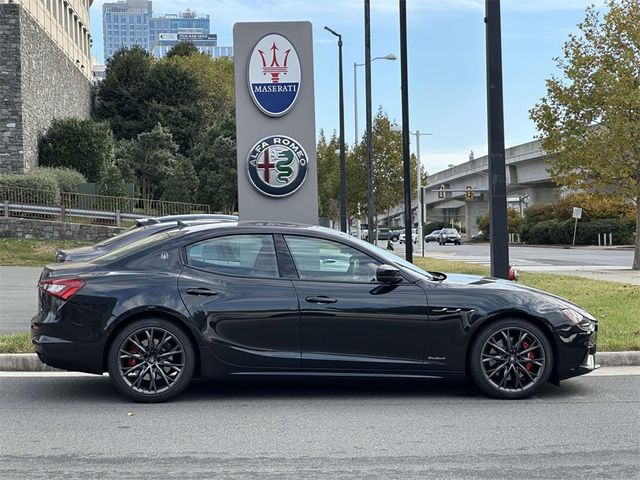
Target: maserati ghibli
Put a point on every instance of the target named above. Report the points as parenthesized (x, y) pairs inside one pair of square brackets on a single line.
[(259, 299)]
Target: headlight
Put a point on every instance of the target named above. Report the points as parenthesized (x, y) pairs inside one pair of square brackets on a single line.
[(578, 319)]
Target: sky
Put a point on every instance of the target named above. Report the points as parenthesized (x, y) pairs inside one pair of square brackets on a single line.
[(446, 61)]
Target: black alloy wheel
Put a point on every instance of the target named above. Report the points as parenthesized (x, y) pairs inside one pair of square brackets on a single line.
[(151, 360), (511, 359)]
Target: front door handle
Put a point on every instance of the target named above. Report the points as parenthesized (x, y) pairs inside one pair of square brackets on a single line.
[(203, 292), (321, 299)]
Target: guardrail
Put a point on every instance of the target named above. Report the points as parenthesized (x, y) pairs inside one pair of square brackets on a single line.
[(83, 208)]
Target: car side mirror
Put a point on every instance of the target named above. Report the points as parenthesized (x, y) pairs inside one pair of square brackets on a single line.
[(388, 274)]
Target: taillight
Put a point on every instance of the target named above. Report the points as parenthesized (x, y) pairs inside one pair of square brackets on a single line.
[(63, 288)]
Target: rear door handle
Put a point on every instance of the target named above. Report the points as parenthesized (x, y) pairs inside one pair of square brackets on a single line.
[(321, 299), (203, 292)]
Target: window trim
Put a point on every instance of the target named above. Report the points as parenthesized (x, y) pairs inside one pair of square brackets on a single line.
[(185, 257)]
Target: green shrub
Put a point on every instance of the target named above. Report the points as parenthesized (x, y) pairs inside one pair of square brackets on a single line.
[(33, 187), (622, 231), (82, 145), (69, 180), (555, 232)]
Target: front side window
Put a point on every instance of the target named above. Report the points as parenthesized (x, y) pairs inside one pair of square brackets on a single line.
[(243, 255), (320, 259)]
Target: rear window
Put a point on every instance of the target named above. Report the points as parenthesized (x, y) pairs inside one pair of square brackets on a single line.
[(134, 247)]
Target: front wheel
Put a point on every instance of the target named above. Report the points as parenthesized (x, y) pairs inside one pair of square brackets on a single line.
[(511, 359), (151, 360), (394, 239)]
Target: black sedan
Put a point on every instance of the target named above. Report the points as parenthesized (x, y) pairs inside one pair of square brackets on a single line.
[(278, 299)]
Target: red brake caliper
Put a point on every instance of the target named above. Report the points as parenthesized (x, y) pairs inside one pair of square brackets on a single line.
[(132, 361), (529, 366)]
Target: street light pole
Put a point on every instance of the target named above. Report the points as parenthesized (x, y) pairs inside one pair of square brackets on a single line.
[(499, 247), (419, 182), (367, 68), (390, 56), (406, 157), (343, 179)]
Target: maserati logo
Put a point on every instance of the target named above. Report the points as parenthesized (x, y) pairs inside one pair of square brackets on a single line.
[(274, 75), (277, 165)]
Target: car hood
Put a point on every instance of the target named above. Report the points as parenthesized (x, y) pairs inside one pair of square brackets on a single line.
[(537, 299)]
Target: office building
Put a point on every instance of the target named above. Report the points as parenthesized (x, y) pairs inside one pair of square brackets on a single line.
[(45, 73)]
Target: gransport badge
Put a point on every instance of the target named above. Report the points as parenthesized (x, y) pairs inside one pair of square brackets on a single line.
[(277, 165)]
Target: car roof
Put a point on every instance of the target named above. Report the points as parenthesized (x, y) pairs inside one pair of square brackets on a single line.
[(185, 218)]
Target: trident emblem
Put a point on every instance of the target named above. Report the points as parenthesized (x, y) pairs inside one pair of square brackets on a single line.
[(275, 69)]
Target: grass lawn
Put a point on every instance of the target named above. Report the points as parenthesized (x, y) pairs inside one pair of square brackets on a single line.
[(615, 305), (32, 253)]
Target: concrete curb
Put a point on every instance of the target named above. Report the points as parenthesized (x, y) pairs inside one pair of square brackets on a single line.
[(29, 362)]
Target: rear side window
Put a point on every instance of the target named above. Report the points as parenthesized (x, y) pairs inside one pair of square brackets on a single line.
[(243, 255)]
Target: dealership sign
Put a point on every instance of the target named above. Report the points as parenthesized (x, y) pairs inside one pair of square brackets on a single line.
[(275, 122), (274, 75), (277, 166)]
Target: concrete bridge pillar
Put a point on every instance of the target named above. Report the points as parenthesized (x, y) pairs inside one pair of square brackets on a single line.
[(472, 211)]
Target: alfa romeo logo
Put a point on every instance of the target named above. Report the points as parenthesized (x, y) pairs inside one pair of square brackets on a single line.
[(274, 75), (277, 165)]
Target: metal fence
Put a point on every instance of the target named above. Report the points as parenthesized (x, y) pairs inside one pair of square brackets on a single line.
[(85, 208)]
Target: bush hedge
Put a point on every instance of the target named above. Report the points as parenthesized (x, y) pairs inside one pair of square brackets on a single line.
[(561, 232), (39, 187), (83, 145), (69, 180)]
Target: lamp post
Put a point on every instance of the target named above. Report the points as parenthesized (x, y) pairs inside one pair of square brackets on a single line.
[(390, 56), (343, 180), (417, 134)]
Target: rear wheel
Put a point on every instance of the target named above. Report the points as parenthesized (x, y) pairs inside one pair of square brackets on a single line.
[(151, 360), (511, 359), (394, 238)]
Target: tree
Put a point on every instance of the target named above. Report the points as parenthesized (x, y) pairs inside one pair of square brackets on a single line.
[(112, 184), (183, 49), (590, 117), (328, 177), (182, 183), (216, 79), (122, 97), (149, 159), (82, 145), (388, 174), (175, 101), (214, 159)]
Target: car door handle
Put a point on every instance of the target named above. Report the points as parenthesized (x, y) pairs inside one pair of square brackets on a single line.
[(321, 299), (203, 292)]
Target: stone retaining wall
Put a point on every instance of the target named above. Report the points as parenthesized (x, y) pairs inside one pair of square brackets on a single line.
[(47, 230)]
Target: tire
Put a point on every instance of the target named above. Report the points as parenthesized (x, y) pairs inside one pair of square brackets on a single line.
[(510, 375), (171, 348), (394, 238)]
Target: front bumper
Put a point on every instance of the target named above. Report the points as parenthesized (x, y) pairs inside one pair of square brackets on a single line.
[(576, 351)]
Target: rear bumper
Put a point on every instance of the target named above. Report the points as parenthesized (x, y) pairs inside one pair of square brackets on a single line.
[(67, 355)]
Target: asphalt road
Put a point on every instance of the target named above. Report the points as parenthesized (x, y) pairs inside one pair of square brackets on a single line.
[(77, 427), (540, 256), (18, 300)]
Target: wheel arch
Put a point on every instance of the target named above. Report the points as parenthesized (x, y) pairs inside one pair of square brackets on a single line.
[(164, 314), (544, 326)]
